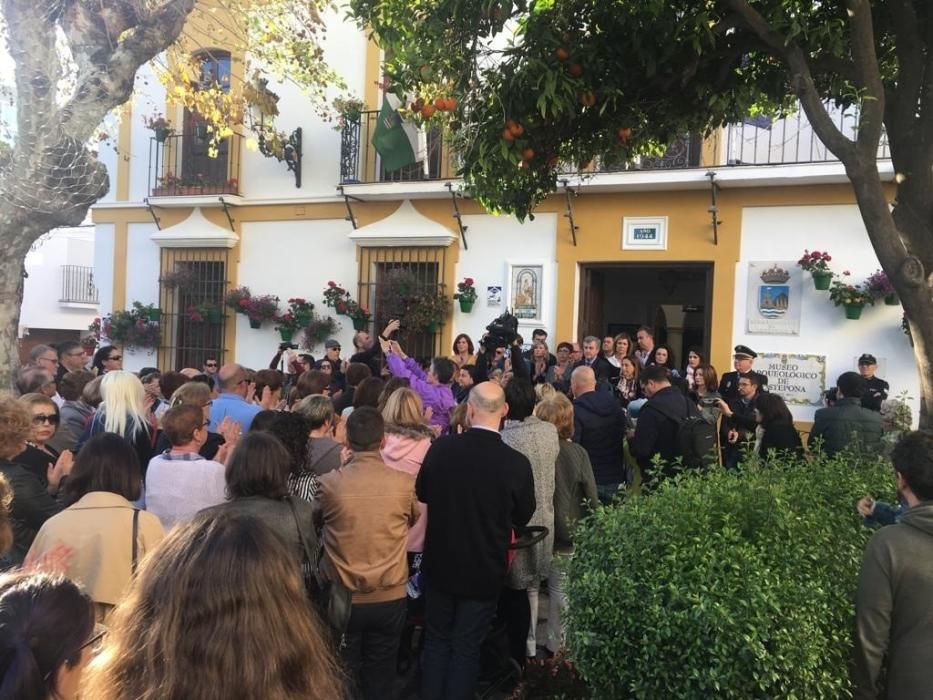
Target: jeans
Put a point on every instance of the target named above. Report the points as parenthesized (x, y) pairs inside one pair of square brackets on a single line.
[(372, 639), (531, 643), (607, 493), (456, 628), (557, 602)]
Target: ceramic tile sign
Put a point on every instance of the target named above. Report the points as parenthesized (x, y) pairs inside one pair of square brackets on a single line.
[(799, 379), (773, 298), (644, 233)]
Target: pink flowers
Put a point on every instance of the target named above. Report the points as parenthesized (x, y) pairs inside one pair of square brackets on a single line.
[(815, 261)]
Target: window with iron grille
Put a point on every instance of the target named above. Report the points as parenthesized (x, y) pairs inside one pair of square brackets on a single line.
[(389, 278), (192, 285)]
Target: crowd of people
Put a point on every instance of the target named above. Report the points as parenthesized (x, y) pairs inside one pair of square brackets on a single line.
[(321, 510)]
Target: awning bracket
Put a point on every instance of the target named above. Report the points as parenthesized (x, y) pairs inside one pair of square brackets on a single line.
[(152, 213), (713, 207), (457, 215), (227, 212), (346, 199), (570, 193)]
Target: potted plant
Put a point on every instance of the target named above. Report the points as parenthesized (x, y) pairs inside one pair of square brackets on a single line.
[(466, 294), (150, 312), (287, 325), (359, 315), (337, 297), (182, 277), (301, 309), (881, 288), (425, 311), (851, 296), (204, 312), (318, 329), (133, 328), (262, 308), (349, 110), (159, 125), (817, 264), (238, 299)]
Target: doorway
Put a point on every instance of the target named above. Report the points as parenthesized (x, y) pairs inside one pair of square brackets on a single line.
[(673, 298)]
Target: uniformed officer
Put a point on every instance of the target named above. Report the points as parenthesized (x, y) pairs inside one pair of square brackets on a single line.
[(742, 360), (876, 389)]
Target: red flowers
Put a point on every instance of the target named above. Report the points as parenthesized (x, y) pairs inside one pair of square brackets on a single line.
[(814, 261)]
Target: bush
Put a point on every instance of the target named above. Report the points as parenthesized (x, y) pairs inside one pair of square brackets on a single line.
[(728, 585)]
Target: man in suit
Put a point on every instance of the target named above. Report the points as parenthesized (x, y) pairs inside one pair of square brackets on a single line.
[(742, 360), (593, 358), (476, 489), (876, 389)]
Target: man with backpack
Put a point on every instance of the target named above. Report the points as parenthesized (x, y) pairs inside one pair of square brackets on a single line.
[(599, 428), (670, 426)]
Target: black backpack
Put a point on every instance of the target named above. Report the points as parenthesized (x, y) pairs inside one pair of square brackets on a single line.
[(695, 437)]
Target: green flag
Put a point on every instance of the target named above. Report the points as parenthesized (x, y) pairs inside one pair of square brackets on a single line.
[(391, 141)]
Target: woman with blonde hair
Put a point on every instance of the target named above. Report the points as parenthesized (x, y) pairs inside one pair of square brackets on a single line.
[(574, 494), (123, 412), (217, 611), (407, 439), (33, 501)]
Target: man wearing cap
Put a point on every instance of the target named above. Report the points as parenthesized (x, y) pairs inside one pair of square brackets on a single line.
[(876, 389), (332, 355), (742, 360)]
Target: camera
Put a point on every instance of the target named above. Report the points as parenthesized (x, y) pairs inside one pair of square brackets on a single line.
[(709, 401), (502, 332), (288, 346)]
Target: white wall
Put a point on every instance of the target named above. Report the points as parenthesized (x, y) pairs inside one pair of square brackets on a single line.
[(103, 266), (149, 98), (782, 233), (142, 284), (43, 286), (293, 259), (494, 241)]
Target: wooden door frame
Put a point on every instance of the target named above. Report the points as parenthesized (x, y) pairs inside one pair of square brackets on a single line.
[(707, 266)]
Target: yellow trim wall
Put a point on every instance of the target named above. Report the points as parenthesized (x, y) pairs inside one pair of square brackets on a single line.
[(599, 217)]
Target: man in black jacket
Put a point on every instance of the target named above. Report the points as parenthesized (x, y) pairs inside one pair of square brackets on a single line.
[(477, 489), (593, 358), (656, 430), (876, 389), (739, 422), (599, 428), (742, 361)]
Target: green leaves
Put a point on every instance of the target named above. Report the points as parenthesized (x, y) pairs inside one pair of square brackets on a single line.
[(730, 585)]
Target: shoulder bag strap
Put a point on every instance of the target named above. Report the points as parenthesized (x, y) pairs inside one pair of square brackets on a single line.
[(301, 534), (135, 539)]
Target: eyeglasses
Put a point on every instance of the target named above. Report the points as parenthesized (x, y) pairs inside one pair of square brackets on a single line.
[(115, 358), (208, 404), (210, 364), (205, 424), (338, 348), (41, 418), (53, 360)]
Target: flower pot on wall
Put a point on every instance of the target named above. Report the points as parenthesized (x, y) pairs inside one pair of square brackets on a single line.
[(466, 306), (854, 311), (431, 328), (286, 334), (822, 279), (360, 324), (255, 323), (155, 314), (162, 134), (892, 300), (215, 316)]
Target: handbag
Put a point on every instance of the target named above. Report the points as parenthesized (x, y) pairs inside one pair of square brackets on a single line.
[(332, 600)]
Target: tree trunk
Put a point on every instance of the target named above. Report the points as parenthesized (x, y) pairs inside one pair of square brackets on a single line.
[(12, 272), (904, 268)]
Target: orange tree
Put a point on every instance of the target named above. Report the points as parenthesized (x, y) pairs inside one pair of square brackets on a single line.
[(545, 86)]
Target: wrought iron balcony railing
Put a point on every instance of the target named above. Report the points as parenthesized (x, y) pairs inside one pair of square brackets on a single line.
[(78, 285), (182, 165)]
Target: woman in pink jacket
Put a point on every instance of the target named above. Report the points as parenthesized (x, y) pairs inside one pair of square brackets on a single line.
[(407, 441)]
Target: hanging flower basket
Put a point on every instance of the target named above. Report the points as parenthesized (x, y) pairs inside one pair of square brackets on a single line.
[(431, 328), (154, 314), (162, 134), (892, 300), (854, 311), (215, 315), (286, 334), (360, 324), (466, 294), (466, 306), (255, 323), (822, 279)]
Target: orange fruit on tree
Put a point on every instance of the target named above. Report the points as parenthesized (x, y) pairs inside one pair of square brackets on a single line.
[(624, 134), (507, 135), (518, 130), (587, 99), (528, 153), (575, 69), (440, 103), (451, 104), (428, 111), (561, 54)]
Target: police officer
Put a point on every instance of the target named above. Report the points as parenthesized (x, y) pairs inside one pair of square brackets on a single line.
[(876, 389), (742, 360)]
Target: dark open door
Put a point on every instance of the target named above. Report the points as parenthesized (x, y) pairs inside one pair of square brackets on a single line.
[(591, 315)]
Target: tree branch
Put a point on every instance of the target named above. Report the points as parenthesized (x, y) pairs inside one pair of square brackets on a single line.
[(871, 115), (801, 81)]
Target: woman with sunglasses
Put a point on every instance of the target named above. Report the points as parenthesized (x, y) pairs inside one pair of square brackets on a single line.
[(48, 638), (101, 536), (40, 457), (107, 359), (33, 499)]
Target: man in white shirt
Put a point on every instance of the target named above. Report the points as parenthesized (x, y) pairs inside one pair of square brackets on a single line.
[(179, 482)]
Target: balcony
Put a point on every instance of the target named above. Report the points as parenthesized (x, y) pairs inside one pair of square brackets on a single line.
[(182, 165), (754, 142), (78, 286)]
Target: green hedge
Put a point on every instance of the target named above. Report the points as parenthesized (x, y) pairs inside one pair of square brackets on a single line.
[(729, 585)]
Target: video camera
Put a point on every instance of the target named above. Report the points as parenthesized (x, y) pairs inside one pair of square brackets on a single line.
[(502, 332)]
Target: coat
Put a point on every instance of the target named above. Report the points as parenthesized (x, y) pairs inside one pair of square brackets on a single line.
[(478, 489), (367, 509), (538, 441), (781, 437), (97, 530), (438, 397), (655, 433), (31, 507), (405, 450), (894, 610), (574, 492), (599, 427), (847, 425)]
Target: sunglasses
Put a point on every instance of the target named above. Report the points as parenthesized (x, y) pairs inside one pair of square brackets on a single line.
[(41, 418), (115, 358), (338, 348), (210, 364)]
